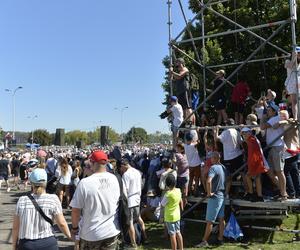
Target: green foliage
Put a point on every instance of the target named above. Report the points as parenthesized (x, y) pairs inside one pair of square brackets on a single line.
[(136, 135), (76, 135), (42, 137), (159, 137)]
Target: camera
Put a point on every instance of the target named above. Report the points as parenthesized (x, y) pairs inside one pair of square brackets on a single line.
[(164, 115)]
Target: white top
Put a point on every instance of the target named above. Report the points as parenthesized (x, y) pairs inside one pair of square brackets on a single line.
[(64, 179), (32, 225), (192, 155), (231, 141), (98, 198), (177, 112), (132, 179), (272, 134)]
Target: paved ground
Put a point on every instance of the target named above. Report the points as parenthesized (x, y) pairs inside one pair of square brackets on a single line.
[(7, 207)]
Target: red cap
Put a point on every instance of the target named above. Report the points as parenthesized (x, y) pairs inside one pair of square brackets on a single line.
[(98, 156)]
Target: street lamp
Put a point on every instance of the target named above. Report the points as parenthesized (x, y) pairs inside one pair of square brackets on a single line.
[(14, 107), (32, 133), (122, 110)]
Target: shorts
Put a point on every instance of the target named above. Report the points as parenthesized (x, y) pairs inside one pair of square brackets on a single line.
[(215, 208), (173, 227), (238, 107), (234, 164), (134, 214), (182, 182), (62, 187), (49, 243), (276, 159), (220, 103), (106, 244), (184, 100), (195, 172), (4, 177)]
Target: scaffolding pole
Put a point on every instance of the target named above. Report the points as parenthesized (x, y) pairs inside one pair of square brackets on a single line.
[(169, 3), (238, 68), (229, 32), (203, 58), (220, 127), (249, 31), (293, 11), (192, 21)]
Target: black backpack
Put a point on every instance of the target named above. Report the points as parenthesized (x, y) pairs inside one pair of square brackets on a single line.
[(123, 209)]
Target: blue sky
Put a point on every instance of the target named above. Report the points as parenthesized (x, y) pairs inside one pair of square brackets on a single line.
[(79, 59)]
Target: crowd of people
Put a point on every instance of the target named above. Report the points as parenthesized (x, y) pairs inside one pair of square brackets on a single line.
[(102, 186)]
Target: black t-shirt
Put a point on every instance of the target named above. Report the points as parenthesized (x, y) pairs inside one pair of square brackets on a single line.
[(181, 85), (4, 166), (15, 164), (221, 92)]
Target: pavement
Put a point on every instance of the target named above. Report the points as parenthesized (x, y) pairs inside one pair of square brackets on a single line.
[(8, 201)]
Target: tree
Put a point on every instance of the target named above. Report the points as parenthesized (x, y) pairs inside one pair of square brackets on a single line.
[(41, 136), (76, 135), (136, 135), (113, 136)]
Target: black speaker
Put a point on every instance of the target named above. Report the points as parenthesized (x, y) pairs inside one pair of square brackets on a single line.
[(79, 144), (104, 135), (60, 137)]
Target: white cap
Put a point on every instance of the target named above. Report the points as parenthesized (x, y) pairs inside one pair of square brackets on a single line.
[(245, 130)]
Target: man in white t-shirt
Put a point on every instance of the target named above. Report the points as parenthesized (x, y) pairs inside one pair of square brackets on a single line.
[(132, 179), (232, 152), (95, 205), (177, 113), (276, 154)]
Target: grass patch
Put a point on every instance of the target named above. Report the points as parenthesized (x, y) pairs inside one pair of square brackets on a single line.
[(253, 240)]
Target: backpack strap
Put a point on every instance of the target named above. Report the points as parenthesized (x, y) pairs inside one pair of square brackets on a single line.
[(38, 208)]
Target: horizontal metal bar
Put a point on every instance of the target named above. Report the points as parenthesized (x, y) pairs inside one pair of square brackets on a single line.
[(252, 61), (267, 25), (270, 229), (220, 127)]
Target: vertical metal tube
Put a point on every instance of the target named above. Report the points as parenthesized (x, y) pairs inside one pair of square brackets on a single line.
[(170, 40), (293, 10), (203, 56), (14, 115)]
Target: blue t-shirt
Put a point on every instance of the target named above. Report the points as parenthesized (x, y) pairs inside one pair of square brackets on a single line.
[(218, 175)]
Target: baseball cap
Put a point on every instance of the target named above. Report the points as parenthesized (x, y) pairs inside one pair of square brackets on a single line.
[(298, 49), (274, 107), (38, 176), (245, 130), (221, 71), (98, 156), (189, 137), (173, 98), (273, 93)]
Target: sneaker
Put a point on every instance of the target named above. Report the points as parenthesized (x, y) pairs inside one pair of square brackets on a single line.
[(203, 244), (257, 198), (8, 190), (218, 242), (248, 197)]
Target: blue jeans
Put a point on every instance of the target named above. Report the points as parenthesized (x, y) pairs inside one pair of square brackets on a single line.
[(291, 172), (45, 244), (215, 208)]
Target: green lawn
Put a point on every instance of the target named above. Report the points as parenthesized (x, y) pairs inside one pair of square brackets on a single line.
[(254, 239)]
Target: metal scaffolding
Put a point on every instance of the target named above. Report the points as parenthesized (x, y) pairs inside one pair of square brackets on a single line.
[(206, 6)]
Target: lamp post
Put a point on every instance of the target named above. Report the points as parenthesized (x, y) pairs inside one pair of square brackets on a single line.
[(14, 108), (122, 110), (32, 133)]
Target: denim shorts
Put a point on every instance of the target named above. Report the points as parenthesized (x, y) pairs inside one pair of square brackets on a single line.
[(173, 227), (215, 208)]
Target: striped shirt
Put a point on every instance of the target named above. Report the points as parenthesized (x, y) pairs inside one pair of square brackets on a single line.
[(32, 224)]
